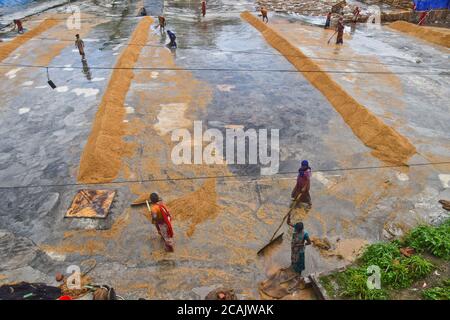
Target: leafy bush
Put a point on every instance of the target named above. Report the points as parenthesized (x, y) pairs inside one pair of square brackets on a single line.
[(381, 254), (418, 267), (438, 293), (436, 240), (397, 271), (353, 284), (397, 275)]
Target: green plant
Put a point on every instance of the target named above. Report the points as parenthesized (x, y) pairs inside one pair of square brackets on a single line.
[(381, 254), (436, 240), (328, 285), (438, 293), (396, 275), (353, 284), (418, 267)]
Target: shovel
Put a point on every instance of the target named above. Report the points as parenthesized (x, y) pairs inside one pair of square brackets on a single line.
[(331, 38), (279, 238), (141, 200)]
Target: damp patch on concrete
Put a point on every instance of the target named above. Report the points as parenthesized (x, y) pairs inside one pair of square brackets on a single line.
[(11, 74), (445, 180), (87, 92), (62, 89), (171, 117)]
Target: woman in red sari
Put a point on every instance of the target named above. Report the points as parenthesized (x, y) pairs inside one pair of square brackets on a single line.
[(162, 220), (303, 184)]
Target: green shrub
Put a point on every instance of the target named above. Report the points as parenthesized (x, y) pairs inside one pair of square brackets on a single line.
[(396, 275), (418, 267), (381, 254), (435, 240), (353, 284), (438, 293)]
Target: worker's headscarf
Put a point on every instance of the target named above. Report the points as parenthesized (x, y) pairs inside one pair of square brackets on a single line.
[(303, 168), (298, 227), (154, 198)]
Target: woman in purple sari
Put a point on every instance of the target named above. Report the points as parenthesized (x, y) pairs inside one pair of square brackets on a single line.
[(303, 184)]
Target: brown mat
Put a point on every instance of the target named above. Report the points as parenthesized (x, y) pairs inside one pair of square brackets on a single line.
[(281, 284), (91, 204)]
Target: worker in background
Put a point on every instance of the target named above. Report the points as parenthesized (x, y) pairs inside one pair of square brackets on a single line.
[(161, 218), (143, 12), (422, 18), (328, 22), (264, 14), (80, 45), (162, 23), (340, 31), (303, 185), (356, 13), (18, 23), (172, 37), (300, 239), (203, 8)]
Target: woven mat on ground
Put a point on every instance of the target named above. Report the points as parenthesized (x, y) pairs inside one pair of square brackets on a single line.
[(281, 283), (29, 291)]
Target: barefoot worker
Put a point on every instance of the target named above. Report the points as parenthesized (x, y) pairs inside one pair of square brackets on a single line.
[(328, 22), (162, 220), (303, 184), (300, 239), (80, 45), (18, 23), (162, 23), (264, 14), (172, 37), (203, 8), (340, 31), (356, 13)]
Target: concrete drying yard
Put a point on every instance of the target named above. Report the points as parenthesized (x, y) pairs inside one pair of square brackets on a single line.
[(106, 128)]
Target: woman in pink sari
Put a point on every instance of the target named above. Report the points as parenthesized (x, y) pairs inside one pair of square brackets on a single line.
[(303, 184)]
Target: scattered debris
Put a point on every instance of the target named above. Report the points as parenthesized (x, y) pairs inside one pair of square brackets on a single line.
[(105, 293), (59, 277), (445, 204), (221, 294), (407, 252), (322, 244), (29, 291)]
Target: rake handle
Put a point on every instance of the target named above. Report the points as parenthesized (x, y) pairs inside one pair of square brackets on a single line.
[(293, 205), (331, 37)]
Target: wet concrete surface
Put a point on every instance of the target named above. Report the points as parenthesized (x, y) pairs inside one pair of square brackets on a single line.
[(44, 131)]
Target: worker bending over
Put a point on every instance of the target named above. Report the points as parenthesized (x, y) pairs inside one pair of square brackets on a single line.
[(18, 24), (172, 37), (161, 218), (264, 14)]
